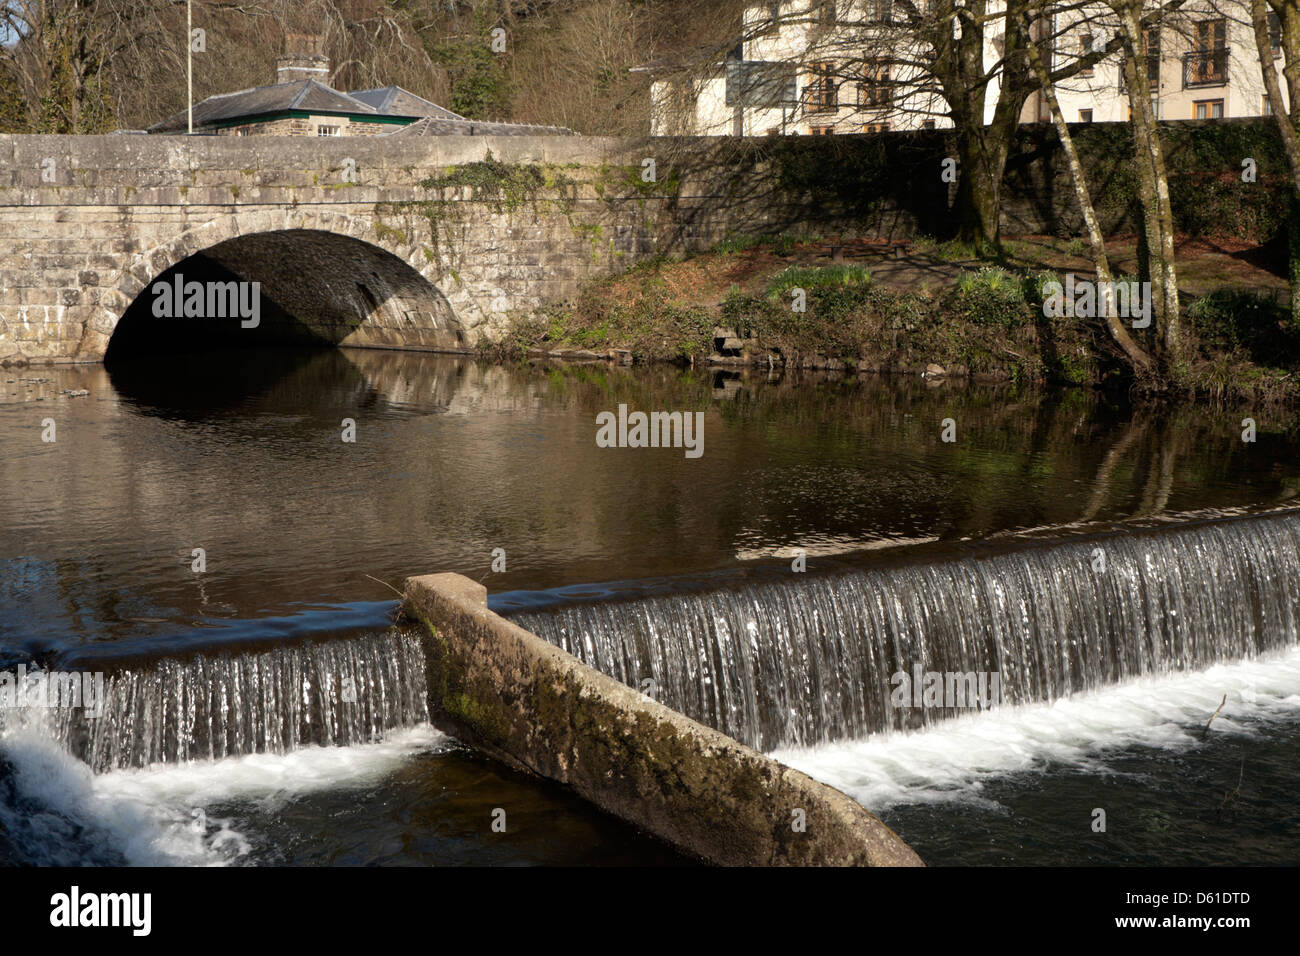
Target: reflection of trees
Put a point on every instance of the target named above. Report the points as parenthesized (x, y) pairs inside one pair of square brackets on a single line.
[(1160, 480), (1103, 480)]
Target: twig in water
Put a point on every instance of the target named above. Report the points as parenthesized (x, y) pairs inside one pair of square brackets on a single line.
[(1206, 731), (1230, 796), (401, 595)]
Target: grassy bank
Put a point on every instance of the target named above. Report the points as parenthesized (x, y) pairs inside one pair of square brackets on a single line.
[(903, 309)]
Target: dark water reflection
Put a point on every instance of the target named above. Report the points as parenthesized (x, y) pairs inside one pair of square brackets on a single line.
[(240, 453)]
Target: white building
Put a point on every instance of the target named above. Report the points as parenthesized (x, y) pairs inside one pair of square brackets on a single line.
[(852, 66)]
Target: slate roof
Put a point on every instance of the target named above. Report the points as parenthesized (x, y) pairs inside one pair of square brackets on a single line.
[(432, 126), (263, 100), (314, 97), (395, 101)]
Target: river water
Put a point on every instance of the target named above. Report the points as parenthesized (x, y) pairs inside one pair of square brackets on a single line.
[(229, 743)]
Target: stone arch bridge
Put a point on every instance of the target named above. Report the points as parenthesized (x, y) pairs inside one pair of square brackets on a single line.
[(392, 242), (400, 241)]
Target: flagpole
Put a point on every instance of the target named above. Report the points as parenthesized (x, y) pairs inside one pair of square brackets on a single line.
[(189, 63)]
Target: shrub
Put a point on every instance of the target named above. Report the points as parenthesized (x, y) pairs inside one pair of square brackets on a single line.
[(1034, 285), (992, 296), (1236, 318)]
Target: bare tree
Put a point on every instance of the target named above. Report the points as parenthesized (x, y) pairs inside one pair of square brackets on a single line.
[(1153, 181), (1288, 120), (1078, 177), (58, 50)]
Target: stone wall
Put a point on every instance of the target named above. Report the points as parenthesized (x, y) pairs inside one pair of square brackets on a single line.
[(306, 126)]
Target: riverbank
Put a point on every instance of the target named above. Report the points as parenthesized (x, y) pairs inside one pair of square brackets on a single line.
[(921, 307)]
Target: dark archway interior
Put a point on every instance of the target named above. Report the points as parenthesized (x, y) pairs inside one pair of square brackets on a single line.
[(314, 289)]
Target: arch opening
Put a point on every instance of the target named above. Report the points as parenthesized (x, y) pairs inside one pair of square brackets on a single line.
[(294, 287)]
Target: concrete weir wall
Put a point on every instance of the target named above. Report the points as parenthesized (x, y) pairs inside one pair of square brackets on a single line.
[(516, 697)]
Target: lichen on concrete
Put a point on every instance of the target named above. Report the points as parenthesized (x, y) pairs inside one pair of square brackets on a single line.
[(497, 687)]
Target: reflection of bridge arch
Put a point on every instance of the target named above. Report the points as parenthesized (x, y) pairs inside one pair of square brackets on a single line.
[(325, 277)]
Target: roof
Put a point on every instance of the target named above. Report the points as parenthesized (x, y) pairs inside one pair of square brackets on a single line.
[(432, 126), (307, 95), (395, 101)]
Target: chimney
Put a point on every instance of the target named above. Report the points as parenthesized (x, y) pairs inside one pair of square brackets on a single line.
[(303, 59)]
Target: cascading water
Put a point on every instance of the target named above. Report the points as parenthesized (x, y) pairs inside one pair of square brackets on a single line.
[(815, 659), (210, 706)]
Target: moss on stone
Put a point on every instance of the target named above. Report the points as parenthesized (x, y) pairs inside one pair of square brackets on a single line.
[(482, 714), (387, 233)]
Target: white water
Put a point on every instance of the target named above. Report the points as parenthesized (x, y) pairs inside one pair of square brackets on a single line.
[(952, 761), (64, 815)]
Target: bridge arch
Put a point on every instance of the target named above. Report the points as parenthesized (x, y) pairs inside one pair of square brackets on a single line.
[(324, 277)]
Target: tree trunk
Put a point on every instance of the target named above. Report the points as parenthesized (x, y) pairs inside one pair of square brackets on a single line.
[(979, 192), (1289, 15), (1153, 183), (1136, 355)]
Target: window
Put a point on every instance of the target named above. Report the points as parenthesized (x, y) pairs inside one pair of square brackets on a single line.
[(823, 12), (1047, 42), (1266, 108), (1208, 109), (820, 95), (1151, 45), (1207, 64), (1085, 47), (1157, 110), (772, 20), (821, 130), (1085, 116), (876, 89), (1275, 35), (875, 127), (329, 131), (927, 124), (1211, 35), (879, 11), (760, 84)]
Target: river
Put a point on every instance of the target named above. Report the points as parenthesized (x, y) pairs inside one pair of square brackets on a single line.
[(493, 471)]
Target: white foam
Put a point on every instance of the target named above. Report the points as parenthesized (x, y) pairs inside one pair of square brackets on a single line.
[(951, 761), (159, 815)]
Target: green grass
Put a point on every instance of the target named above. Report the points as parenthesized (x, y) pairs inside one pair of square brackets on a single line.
[(809, 278), (951, 251), (782, 244)]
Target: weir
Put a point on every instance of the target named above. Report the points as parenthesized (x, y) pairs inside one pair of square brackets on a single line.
[(215, 705), (656, 707), (509, 693), (806, 659)]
